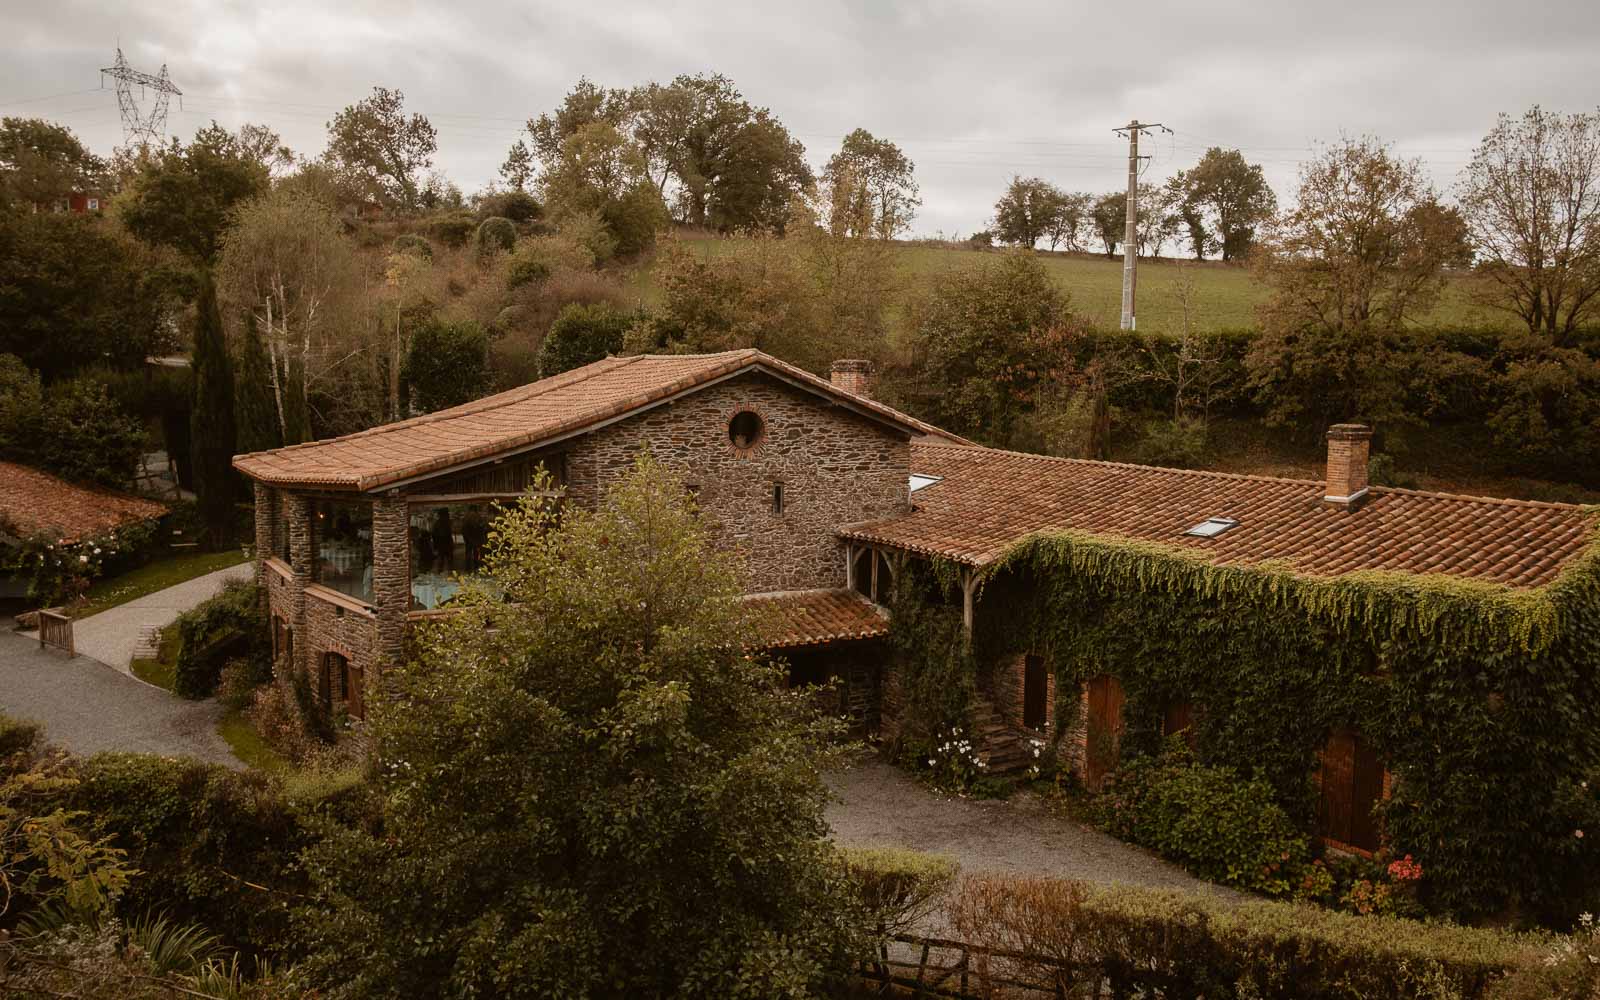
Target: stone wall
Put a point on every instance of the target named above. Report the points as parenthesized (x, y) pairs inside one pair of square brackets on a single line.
[(835, 468), (1009, 683)]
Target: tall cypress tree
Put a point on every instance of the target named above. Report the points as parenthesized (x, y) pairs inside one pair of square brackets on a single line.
[(211, 418), (256, 410)]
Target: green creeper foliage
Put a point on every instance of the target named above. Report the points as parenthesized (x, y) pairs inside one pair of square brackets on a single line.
[(1464, 689), (229, 626), (601, 795), (581, 335)]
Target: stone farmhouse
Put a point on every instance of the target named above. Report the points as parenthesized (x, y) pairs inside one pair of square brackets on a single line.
[(827, 496)]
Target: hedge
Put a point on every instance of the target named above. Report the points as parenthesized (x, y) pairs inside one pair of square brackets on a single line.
[(1145, 942), (229, 626)]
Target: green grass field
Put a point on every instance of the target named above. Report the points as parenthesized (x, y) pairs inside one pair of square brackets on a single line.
[(151, 577), (1225, 296)]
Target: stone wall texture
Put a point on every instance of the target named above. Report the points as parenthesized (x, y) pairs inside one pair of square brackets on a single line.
[(835, 468)]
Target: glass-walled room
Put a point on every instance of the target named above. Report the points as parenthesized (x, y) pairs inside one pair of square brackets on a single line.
[(344, 556), (447, 541)]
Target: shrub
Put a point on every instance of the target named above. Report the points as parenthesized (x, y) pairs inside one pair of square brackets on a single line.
[(90, 439), (581, 335), (453, 230), (416, 246), (536, 258), (518, 206), (1176, 444), (237, 684), (897, 888), (496, 234), (1146, 942), (448, 364), (229, 626), (1211, 820), (17, 736)]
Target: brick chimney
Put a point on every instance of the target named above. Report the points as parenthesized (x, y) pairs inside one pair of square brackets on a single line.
[(854, 375), (1348, 445)]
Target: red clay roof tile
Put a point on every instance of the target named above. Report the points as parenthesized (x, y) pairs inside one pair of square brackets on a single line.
[(34, 502), (811, 617), (526, 417), (988, 500)]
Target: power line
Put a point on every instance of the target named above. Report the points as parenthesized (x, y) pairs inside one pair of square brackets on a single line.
[(144, 129)]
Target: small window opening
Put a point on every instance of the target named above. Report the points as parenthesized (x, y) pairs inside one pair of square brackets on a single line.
[(745, 429), (1211, 527), (777, 498)]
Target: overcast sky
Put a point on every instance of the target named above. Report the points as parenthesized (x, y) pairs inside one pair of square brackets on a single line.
[(972, 91)]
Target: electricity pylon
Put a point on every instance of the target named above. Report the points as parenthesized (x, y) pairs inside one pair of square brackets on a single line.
[(142, 130)]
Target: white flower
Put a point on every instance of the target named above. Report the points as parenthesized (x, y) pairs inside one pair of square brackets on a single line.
[(83, 559), (930, 761)]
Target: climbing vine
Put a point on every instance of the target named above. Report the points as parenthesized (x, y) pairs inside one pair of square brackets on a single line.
[(1483, 701)]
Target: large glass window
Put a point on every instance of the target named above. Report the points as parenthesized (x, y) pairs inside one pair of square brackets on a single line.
[(344, 534), (447, 541)]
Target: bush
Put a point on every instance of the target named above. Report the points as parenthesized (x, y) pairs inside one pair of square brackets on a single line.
[(229, 626), (416, 246), (1148, 942), (581, 335), (898, 889), (90, 439), (518, 206), (17, 736), (447, 365), (1175, 444), (537, 258), (1211, 820), (453, 230), (496, 234)]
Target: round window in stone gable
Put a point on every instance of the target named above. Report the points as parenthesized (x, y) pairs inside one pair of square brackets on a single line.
[(746, 430)]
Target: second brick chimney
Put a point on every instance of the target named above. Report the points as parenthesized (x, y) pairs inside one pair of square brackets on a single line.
[(1348, 447), (854, 375)]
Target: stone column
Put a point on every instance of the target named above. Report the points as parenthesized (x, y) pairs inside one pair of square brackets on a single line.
[(302, 554), (391, 575), (266, 513)]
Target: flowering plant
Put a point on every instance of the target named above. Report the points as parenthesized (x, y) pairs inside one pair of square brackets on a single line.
[(952, 761)]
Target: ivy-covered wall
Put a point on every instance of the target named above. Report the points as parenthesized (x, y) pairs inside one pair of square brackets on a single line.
[(1484, 702)]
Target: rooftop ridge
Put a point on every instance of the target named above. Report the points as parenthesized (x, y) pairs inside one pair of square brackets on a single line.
[(1249, 477), (509, 397)]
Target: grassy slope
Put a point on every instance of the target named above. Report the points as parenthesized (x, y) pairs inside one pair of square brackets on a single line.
[(1226, 296), (151, 577)]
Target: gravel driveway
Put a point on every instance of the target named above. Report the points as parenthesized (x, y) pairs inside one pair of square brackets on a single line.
[(86, 706), (881, 805)]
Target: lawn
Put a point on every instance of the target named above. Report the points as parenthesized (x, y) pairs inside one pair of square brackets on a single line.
[(247, 745), (109, 592), (161, 671), (1225, 295)]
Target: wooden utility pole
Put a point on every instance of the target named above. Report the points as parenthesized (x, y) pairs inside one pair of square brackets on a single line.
[(1130, 236)]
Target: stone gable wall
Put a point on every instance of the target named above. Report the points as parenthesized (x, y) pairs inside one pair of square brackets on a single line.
[(835, 467)]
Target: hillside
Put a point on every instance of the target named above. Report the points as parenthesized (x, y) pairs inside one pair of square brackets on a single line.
[(1226, 296)]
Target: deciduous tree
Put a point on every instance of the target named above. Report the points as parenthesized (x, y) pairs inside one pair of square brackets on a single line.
[(41, 163), (588, 785), (184, 196), (1026, 211), (1531, 199), (375, 143), (872, 186), (1110, 219), (1227, 199)]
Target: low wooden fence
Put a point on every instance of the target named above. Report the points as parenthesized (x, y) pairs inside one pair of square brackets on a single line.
[(909, 965), (55, 629)]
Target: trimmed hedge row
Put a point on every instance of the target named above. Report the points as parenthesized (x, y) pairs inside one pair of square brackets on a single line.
[(1147, 942)]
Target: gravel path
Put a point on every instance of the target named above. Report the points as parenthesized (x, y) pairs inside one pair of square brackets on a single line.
[(881, 805), (112, 635), (86, 707)]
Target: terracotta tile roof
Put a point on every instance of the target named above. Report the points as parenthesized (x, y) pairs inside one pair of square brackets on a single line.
[(527, 416), (990, 499), (32, 502), (810, 617)]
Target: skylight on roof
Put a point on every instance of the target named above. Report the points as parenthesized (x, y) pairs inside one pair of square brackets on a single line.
[(1211, 527), (921, 482)]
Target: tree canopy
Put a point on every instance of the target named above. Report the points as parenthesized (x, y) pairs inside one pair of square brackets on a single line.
[(603, 794), (872, 187), (42, 163), (184, 196), (1531, 200), (373, 142), (1223, 202)]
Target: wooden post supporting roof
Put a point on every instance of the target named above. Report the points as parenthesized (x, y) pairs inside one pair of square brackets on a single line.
[(969, 588)]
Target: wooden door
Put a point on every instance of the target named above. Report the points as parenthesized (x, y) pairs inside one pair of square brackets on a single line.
[(1035, 692), (1104, 729), (1352, 784), (1179, 718)]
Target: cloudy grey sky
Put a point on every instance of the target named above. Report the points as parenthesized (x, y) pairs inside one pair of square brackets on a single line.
[(973, 91)]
